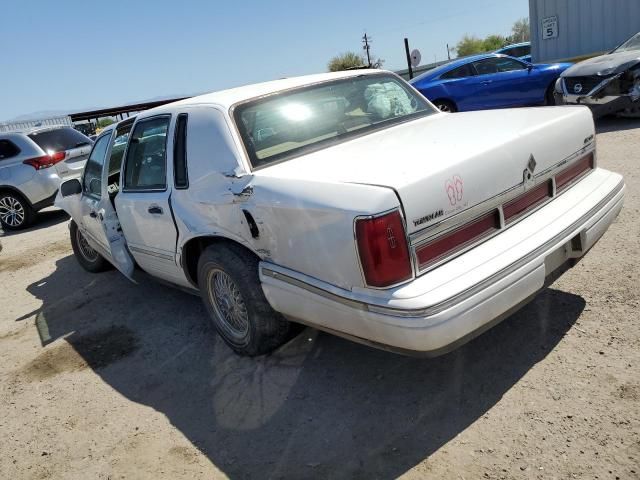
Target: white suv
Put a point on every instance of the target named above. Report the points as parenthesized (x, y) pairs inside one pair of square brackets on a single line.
[(32, 165)]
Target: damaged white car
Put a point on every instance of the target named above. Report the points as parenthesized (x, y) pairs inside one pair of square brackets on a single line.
[(346, 202)]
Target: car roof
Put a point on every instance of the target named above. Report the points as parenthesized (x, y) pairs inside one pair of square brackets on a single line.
[(458, 62), (227, 98), (30, 130)]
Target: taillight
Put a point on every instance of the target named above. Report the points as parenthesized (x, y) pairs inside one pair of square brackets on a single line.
[(45, 161), (568, 175), (527, 201), (458, 239), (383, 249)]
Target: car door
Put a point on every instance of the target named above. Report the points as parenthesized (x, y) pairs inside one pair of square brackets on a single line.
[(90, 224), (461, 86), (506, 82), (143, 201), (98, 219)]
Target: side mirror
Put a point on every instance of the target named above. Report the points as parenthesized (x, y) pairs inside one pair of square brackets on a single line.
[(71, 187)]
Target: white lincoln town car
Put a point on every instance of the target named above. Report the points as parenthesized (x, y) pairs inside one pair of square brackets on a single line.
[(346, 202)]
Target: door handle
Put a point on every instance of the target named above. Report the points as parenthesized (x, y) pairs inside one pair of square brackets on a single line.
[(155, 210), (486, 82)]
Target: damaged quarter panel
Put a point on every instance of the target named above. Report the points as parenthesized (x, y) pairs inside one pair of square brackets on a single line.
[(219, 184), (307, 225), (302, 225)]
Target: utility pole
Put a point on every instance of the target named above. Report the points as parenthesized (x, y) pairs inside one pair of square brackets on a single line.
[(448, 52), (366, 48), (406, 50)]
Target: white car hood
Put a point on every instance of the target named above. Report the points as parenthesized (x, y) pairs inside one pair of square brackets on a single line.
[(445, 163)]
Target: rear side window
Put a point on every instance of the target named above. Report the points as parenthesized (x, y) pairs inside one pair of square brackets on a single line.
[(59, 140), (460, 72), (145, 165), (8, 149), (180, 153)]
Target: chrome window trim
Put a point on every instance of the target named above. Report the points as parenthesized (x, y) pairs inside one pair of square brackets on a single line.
[(457, 298)]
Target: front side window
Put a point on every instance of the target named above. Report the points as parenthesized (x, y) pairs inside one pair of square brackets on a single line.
[(291, 123), (519, 51), (115, 158), (92, 181), (145, 165), (8, 149), (498, 65)]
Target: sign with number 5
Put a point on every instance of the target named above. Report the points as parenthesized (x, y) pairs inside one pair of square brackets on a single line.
[(549, 28)]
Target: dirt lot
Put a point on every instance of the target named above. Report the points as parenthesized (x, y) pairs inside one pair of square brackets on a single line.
[(101, 378)]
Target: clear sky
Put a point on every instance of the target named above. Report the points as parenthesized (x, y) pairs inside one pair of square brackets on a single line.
[(73, 54)]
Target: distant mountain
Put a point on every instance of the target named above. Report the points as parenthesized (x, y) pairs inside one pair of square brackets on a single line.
[(56, 113)]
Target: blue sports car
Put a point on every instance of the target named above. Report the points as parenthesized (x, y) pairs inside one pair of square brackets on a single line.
[(489, 81)]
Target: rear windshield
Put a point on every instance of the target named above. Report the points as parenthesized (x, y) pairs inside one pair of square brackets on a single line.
[(294, 122), (59, 139)]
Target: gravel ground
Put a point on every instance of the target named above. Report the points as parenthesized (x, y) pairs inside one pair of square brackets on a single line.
[(101, 378)]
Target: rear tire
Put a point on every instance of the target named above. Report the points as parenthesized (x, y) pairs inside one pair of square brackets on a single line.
[(86, 255), (15, 211), (232, 294), (445, 106)]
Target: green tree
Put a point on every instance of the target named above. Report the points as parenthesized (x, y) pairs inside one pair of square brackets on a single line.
[(493, 42), (469, 45), (105, 122), (520, 31), (345, 61)]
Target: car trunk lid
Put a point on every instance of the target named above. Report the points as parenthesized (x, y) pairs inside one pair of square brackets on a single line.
[(447, 163)]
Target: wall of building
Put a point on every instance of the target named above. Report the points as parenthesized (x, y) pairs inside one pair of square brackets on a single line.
[(21, 125), (584, 27)]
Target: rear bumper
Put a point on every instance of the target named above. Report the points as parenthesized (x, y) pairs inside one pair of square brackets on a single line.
[(446, 307)]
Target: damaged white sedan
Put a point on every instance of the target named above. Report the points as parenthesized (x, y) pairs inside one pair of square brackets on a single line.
[(346, 202)]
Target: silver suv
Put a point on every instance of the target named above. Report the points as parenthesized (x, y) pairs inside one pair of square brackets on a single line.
[(32, 165)]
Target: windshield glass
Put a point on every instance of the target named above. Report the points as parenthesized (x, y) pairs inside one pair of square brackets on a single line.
[(632, 44), (294, 122)]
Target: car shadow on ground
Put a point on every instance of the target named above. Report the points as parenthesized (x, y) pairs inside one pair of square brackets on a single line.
[(43, 219), (616, 124), (321, 406)]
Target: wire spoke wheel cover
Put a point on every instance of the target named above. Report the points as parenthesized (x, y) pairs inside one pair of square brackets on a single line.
[(228, 303), (86, 250), (11, 211)]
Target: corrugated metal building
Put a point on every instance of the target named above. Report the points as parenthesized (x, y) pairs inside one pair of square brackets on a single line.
[(567, 29)]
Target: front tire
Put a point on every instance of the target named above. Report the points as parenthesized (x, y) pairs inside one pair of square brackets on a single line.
[(15, 211), (549, 98), (86, 255), (232, 294)]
